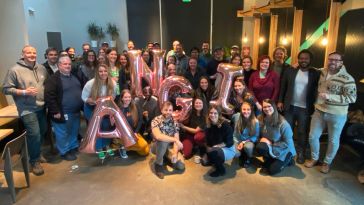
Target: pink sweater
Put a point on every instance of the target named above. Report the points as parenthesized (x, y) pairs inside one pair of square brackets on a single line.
[(264, 88)]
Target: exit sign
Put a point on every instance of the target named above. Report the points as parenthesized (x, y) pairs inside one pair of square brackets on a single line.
[(186, 1)]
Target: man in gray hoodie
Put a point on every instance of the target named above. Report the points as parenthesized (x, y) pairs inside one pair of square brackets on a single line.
[(25, 82)]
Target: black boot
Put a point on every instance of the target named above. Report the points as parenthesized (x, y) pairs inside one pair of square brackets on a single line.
[(159, 171), (219, 171), (300, 158), (247, 163)]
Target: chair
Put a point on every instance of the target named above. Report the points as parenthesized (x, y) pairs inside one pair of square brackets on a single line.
[(16, 150)]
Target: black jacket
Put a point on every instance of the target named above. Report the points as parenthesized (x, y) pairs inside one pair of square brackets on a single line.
[(287, 88), (48, 68), (53, 95)]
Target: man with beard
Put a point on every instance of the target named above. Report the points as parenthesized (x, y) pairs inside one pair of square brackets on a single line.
[(297, 96), (205, 55), (211, 69), (336, 89)]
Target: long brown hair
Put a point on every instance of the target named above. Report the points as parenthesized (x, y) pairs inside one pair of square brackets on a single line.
[(97, 86), (132, 106), (276, 117), (220, 120), (249, 123)]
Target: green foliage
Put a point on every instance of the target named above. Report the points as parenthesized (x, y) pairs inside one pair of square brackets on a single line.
[(95, 31), (113, 30)]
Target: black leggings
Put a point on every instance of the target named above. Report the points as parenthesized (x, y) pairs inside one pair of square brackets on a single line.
[(216, 157), (273, 165)]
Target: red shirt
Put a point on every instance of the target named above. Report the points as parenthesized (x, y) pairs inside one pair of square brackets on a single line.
[(264, 88)]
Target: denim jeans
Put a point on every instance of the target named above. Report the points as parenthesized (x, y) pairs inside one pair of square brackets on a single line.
[(302, 117), (66, 133), (334, 123), (36, 126), (105, 126)]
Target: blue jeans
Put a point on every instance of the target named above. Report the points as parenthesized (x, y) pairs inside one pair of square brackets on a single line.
[(66, 133), (105, 126), (302, 117), (334, 123), (36, 126)]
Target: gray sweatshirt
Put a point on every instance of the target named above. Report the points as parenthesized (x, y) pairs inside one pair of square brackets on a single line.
[(22, 76)]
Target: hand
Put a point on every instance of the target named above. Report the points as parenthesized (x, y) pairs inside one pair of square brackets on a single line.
[(57, 116), (259, 106), (280, 106), (324, 96), (90, 101), (145, 114), (240, 146), (32, 91), (179, 144), (295, 65), (265, 140)]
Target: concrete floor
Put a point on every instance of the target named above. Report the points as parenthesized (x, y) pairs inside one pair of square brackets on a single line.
[(131, 181)]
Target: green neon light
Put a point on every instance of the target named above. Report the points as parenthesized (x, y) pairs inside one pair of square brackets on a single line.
[(315, 36)]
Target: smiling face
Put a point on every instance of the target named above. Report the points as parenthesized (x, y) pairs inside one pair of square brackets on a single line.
[(236, 60), (213, 116), (205, 48), (264, 64), (304, 60), (123, 61), (246, 110), (247, 64), (171, 69), (239, 87), (204, 84), (126, 99), (64, 65), (192, 63), (103, 74), (334, 63), (30, 54), (112, 56), (268, 108), (279, 55), (198, 105), (52, 57), (167, 111), (91, 57)]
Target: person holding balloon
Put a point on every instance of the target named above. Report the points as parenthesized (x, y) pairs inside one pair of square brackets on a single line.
[(111, 58), (206, 91), (134, 118), (100, 86)]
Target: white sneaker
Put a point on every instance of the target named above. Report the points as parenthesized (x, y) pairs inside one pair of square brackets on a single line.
[(197, 159), (123, 153)]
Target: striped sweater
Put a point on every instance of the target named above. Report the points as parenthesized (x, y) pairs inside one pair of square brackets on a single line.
[(341, 90)]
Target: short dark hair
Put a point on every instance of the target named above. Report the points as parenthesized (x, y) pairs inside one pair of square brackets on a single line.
[(338, 53), (307, 52), (194, 49)]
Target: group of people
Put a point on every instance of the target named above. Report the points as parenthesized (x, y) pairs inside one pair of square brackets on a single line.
[(269, 102)]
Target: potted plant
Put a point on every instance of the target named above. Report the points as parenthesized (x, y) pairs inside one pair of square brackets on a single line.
[(113, 31), (96, 33)]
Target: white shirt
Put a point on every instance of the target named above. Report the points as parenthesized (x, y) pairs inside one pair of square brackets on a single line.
[(54, 67), (300, 89)]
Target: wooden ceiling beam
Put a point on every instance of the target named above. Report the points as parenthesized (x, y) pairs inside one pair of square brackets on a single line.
[(273, 4)]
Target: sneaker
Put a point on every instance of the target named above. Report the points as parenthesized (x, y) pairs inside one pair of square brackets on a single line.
[(110, 152), (159, 171), (310, 163), (42, 159), (197, 159), (179, 165), (101, 155), (36, 168), (325, 168), (123, 153), (69, 156)]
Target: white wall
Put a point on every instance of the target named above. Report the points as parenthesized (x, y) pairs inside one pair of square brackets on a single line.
[(71, 17), (13, 34)]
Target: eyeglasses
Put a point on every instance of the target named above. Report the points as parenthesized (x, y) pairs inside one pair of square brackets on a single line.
[(334, 60)]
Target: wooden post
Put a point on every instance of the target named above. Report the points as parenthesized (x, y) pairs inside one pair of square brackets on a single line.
[(273, 34), (296, 35), (256, 39), (333, 29)]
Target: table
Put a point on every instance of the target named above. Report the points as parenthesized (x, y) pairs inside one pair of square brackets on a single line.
[(5, 132), (9, 111)]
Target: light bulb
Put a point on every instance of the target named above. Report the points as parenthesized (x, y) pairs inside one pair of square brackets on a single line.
[(245, 39), (324, 41), (261, 40), (284, 41)]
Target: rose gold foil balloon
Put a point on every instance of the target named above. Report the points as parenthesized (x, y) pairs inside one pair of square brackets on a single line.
[(139, 70), (158, 67), (228, 71), (185, 86), (184, 113), (107, 107)]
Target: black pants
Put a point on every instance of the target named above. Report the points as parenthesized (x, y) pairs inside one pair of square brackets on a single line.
[(273, 165), (216, 157)]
